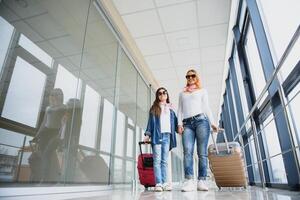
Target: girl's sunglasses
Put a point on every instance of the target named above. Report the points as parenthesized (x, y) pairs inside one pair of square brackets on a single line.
[(190, 76), (162, 93)]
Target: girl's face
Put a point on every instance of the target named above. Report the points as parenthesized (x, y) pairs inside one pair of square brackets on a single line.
[(162, 95), (191, 78)]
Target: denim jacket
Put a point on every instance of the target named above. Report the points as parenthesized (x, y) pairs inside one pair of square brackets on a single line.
[(153, 129)]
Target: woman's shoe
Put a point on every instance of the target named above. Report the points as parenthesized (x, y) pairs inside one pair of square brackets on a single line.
[(201, 186), (158, 188), (166, 187), (188, 186)]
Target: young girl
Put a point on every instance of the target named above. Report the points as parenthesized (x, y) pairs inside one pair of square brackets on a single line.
[(161, 127)]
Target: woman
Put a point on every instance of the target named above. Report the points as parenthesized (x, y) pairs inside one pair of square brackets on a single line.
[(161, 127), (194, 121)]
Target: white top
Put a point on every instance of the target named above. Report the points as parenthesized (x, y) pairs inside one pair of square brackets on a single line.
[(191, 104), (165, 119)]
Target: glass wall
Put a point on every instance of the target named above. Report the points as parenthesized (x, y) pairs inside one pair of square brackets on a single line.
[(272, 146), (73, 105)]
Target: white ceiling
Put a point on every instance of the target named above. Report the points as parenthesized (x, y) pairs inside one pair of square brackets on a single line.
[(175, 35)]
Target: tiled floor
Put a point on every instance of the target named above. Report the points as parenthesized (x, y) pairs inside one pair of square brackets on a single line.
[(225, 194), (251, 193)]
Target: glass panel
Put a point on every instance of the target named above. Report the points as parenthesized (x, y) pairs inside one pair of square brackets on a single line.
[(291, 61), (64, 76), (129, 171), (90, 118), (240, 83), (278, 174), (118, 170), (256, 173), (127, 88), (279, 32), (294, 116), (272, 148), (120, 134), (138, 139), (107, 124), (23, 101), (50, 35), (129, 151), (271, 137), (234, 105), (6, 32), (254, 62), (143, 103), (253, 150)]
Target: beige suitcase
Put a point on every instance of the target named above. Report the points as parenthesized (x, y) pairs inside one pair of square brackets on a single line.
[(227, 163)]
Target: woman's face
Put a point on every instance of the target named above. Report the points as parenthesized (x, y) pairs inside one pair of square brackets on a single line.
[(162, 95), (191, 78)]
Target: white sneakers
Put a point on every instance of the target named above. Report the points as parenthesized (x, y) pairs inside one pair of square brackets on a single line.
[(166, 187), (201, 186), (162, 187), (158, 188), (189, 186)]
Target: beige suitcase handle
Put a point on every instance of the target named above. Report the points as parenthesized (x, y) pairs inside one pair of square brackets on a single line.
[(215, 142)]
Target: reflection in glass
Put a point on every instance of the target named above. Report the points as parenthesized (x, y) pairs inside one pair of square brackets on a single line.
[(90, 117), (35, 50), (118, 170), (120, 134), (107, 124), (68, 82), (129, 151), (129, 171), (23, 101)]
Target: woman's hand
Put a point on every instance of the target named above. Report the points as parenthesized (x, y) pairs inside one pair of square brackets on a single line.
[(146, 138), (180, 129), (215, 128)]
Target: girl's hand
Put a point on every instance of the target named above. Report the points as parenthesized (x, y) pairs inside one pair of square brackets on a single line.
[(215, 128), (146, 138), (180, 129)]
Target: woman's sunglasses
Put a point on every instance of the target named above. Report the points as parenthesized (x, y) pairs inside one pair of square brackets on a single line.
[(162, 93), (190, 76)]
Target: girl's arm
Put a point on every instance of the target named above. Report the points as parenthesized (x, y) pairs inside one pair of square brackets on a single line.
[(149, 126)]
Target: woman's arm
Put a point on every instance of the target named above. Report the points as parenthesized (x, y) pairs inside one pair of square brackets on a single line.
[(179, 115), (208, 110)]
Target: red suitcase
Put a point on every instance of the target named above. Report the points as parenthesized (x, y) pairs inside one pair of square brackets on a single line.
[(145, 168)]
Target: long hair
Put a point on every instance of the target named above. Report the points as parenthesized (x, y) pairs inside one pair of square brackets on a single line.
[(198, 82), (155, 108)]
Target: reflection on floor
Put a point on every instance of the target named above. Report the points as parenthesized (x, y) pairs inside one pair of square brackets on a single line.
[(251, 193)]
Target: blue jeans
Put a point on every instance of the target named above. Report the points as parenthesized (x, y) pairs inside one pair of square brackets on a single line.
[(197, 128), (160, 159)]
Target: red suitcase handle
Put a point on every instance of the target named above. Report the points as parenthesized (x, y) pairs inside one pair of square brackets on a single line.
[(140, 144)]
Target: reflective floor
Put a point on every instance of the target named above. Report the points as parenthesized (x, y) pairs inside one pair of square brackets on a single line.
[(213, 194)]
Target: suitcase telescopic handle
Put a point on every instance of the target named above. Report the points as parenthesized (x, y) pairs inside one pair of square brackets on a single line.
[(215, 142), (140, 144)]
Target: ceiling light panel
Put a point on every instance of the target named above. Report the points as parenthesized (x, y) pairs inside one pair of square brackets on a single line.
[(178, 17), (136, 23)]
